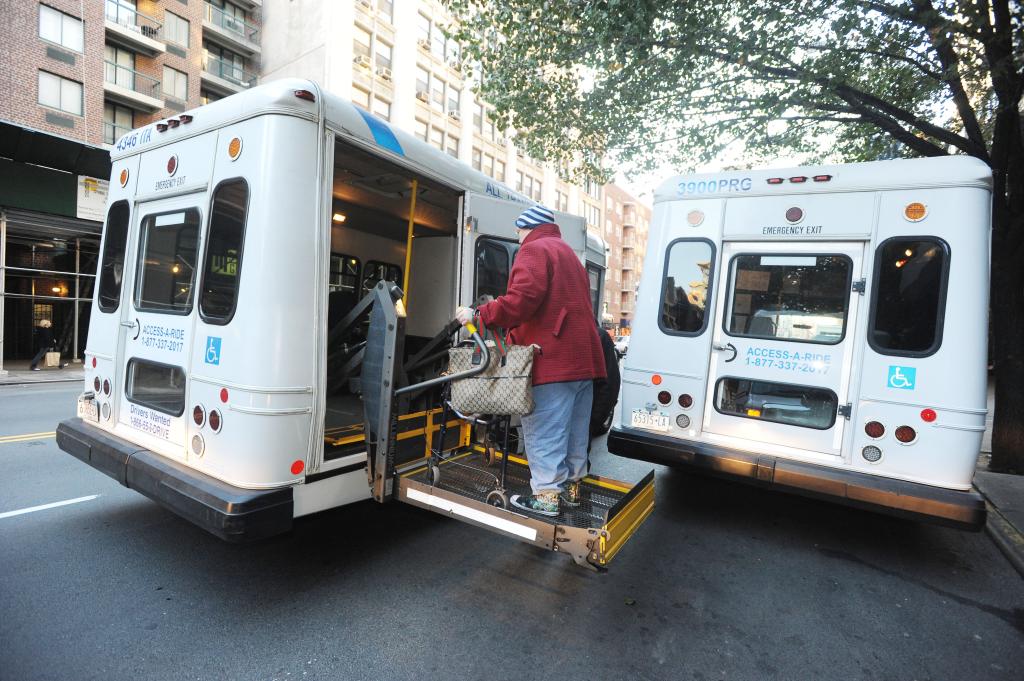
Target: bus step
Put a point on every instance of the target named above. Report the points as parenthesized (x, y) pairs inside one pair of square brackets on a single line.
[(592, 533)]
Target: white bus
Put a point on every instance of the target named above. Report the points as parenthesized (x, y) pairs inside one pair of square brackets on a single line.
[(236, 357), (820, 330)]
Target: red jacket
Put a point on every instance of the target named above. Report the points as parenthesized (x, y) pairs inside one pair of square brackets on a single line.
[(548, 304)]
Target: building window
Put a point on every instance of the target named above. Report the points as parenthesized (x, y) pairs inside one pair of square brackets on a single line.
[(561, 201), (117, 121), (382, 108), (478, 117), (454, 98), (361, 46), (206, 97), (477, 159), (175, 29), (452, 147), (420, 129), (519, 180), (360, 97), (488, 166), (437, 42), (422, 81), (423, 31), (437, 138), (224, 63), (538, 190), (499, 170), (119, 67), (175, 84), (453, 53), (60, 93), (383, 55), (488, 128), (437, 92), (386, 10), (61, 28)]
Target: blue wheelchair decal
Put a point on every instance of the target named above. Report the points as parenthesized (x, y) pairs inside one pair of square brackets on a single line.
[(212, 350), (902, 378)]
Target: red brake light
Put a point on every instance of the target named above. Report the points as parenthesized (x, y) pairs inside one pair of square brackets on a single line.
[(775, 180), (306, 95), (822, 178), (106, 387), (874, 429), (664, 397), (96, 384), (685, 401), (198, 415), (928, 415), (798, 179), (215, 423), (224, 395), (906, 434)]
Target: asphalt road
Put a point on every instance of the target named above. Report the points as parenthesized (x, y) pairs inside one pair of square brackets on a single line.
[(723, 582)]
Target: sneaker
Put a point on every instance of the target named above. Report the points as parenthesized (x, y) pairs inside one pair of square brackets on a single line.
[(544, 503), (35, 368), (571, 494)]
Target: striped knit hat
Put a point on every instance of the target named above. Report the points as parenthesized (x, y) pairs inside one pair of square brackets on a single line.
[(534, 217)]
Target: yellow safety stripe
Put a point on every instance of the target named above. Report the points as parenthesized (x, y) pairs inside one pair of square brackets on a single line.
[(26, 437), (625, 523)]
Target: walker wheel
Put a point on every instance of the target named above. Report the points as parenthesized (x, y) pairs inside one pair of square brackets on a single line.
[(435, 475), (497, 498), (491, 456)]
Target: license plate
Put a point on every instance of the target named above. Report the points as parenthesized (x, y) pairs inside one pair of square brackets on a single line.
[(645, 419), (88, 410)]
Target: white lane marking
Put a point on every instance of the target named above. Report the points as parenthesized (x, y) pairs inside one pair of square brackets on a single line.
[(55, 504)]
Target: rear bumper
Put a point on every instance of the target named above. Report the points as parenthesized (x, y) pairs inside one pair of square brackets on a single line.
[(964, 510), (231, 513)]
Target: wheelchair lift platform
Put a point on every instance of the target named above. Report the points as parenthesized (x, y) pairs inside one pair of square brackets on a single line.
[(463, 481)]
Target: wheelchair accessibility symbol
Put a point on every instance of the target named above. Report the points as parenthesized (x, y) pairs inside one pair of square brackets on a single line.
[(902, 378), (212, 350)]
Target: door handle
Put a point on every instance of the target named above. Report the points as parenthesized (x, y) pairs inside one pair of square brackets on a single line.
[(726, 347), (128, 325)]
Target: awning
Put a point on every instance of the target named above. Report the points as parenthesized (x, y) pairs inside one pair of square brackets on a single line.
[(26, 145)]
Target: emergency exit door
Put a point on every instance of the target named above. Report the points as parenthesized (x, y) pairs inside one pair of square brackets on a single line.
[(783, 342)]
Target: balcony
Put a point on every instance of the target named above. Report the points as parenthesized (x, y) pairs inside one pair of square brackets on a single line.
[(629, 263), (133, 30), (628, 284), (131, 88), (225, 78), (230, 31), (629, 242), (113, 132)]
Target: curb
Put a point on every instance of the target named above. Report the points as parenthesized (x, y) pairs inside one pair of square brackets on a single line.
[(1007, 537)]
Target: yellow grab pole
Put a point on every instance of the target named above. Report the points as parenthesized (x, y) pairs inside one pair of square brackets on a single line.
[(408, 244)]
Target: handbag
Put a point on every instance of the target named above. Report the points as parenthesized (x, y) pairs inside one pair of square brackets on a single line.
[(504, 388)]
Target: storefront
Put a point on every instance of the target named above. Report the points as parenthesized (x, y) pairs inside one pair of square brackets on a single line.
[(51, 211)]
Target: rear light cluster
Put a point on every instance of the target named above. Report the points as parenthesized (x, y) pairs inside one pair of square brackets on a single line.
[(162, 126), (202, 418), (904, 435), (665, 397), (101, 389)]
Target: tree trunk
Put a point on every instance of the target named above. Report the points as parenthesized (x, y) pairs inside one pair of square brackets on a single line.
[(1008, 344)]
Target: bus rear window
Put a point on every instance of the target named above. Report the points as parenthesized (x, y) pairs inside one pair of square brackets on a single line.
[(799, 298), (112, 265), (223, 265), (167, 266), (793, 405), (686, 287), (492, 268), (909, 296), (157, 386)]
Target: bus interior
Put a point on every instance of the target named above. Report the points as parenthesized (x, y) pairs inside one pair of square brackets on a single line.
[(374, 203)]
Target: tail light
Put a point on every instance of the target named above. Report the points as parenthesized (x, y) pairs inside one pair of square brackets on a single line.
[(822, 178), (683, 421), (96, 384), (106, 387), (664, 397), (798, 179), (775, 180), (871, 454), (928, 415), (224, 395), (215, 423), (874, 429), (198, 415), (685, 401), (906, 434)]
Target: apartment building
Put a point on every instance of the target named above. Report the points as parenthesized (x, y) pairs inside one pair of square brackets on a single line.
[(394, 59), (627, 221), (77, 75)]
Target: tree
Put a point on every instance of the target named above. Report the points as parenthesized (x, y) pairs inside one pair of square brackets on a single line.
[(646, 81)]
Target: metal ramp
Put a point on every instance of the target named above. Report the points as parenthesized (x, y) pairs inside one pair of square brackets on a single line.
[(464, 482)]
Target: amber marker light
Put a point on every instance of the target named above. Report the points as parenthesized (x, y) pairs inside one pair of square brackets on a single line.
[(695, 217), (656, 379), (123, 178), (915, 212), (235, 148)]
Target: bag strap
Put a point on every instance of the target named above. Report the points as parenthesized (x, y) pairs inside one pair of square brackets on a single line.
[(498, 343)]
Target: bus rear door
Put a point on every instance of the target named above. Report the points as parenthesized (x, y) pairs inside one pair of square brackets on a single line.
[(783, 343)]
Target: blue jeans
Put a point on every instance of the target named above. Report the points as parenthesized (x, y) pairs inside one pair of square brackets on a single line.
[(557, 432)]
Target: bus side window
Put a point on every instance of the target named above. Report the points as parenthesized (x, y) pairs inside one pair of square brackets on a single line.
[(112, 267), (909, 298), (223, 265), (492, 269), (344, 273), (376, 270)]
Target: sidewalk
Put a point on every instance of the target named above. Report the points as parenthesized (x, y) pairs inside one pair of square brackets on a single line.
[(18, 373), (1004, 496)]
